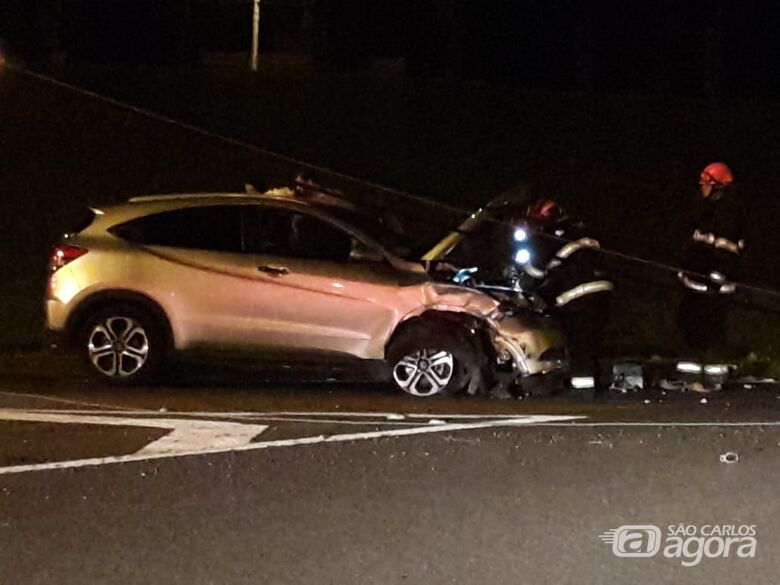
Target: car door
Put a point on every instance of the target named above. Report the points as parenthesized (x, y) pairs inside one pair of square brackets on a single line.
[(198, 269), (318, 289)]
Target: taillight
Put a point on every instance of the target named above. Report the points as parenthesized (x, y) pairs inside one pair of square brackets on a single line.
[(62, 255)]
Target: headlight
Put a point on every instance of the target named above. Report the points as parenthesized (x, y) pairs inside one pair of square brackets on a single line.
[(522, 256), (521, 235)]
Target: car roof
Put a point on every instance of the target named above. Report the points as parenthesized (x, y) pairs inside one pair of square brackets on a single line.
[(334, 209), (137, 207), (191, 196)]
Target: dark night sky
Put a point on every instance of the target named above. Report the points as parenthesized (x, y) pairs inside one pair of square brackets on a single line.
[(659, 46)]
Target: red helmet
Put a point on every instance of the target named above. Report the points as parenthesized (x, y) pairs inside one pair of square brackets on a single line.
[(545, 211), (716, 173)]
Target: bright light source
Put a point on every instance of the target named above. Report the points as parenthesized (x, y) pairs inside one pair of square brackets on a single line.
[(716, 370), (522, 256), (582, 382), (521, 235), (688, 368)]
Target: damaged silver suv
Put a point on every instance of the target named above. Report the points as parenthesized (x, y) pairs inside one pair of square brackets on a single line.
[(275, 271)]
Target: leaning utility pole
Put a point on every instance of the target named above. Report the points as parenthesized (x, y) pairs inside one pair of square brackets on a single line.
[(255, 35), (713, 51)]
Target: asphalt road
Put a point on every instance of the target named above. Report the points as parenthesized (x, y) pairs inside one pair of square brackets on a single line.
[(274, 476), (277, 481)]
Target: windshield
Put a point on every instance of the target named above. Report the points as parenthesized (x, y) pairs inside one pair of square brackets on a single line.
[(384, 228), (453, 246)]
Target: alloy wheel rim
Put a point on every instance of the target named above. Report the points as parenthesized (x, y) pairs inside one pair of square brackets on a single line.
[(118, 347), (426, 372)]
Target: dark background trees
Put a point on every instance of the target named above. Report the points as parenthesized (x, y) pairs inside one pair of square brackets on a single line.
[(696, 47)]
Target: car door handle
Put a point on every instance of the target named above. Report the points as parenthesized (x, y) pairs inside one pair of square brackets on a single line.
[(273, 270)]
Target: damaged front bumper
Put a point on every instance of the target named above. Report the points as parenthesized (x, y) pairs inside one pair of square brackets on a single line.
[(530, 345)]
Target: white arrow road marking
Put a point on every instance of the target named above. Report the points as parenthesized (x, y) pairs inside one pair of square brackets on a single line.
[(197, 435), (225, 444), (186, 436)]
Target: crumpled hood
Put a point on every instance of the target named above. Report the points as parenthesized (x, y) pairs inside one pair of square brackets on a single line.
[(459, 298)]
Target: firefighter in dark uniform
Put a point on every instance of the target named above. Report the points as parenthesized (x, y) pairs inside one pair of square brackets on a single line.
[(711, 264), (565, 268)]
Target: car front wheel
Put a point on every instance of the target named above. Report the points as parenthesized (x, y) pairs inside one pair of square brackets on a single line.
[(431, 360)]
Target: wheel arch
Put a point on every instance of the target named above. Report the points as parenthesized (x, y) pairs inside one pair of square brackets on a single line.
[(471, 328), (106, 298)]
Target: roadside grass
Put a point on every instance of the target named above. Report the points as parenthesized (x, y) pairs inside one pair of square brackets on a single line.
[(627, 165)]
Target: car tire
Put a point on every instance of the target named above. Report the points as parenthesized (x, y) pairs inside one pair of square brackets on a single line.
[(431, 358), (123, 344)]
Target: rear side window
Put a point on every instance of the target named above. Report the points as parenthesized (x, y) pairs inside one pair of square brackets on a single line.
[(216, 228)]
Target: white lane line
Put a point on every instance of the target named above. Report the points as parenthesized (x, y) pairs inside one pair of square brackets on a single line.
[(393, 416), (714, 424), (186, 436), (96, 461), (321, 421), (68, 401), (401, 420)]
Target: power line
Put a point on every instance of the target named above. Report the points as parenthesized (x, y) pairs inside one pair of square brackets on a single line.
[(343, 176), (226, 139)]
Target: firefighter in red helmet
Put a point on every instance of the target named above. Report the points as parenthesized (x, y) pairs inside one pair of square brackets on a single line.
[(567, 272), (711, 267)]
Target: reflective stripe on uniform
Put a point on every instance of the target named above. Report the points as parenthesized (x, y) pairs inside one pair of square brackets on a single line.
[(583, 290), (722, 286), (575, 246), (583, 382), (553, 264), (688, 368), (728, 288), (718, 242), (728, 245), (704, 238), (688, 282), (534, 272)]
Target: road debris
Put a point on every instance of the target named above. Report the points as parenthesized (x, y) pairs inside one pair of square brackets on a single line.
[(627, 377), (729, 457)]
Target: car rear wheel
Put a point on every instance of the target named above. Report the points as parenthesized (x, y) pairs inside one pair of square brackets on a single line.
[(122, 344), (430, 360)]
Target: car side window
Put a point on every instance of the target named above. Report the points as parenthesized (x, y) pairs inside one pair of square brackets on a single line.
[(279, 232), (214, 227)]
